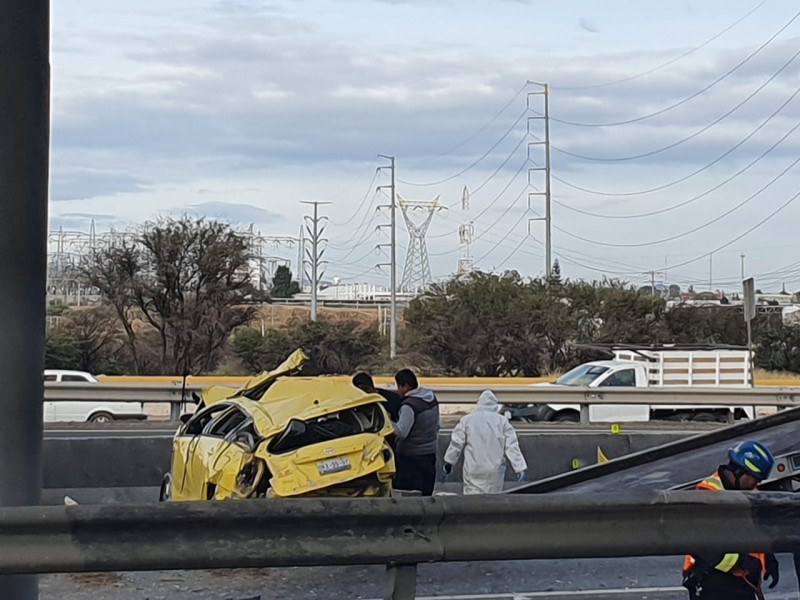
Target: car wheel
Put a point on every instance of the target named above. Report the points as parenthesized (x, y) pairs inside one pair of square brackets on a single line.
[(101, 417), (705, 417), (567, 416), (165, 493)]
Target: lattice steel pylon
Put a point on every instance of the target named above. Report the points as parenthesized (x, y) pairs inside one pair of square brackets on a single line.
[(465, 233), (417, 270)]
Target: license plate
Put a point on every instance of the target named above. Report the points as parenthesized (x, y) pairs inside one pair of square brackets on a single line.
[(333, 465)]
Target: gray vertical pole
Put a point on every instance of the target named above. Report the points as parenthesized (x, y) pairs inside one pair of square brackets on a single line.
[(24, 164), (547, 216), (314, 265), (711, 272), (393, 291), (301, 266)]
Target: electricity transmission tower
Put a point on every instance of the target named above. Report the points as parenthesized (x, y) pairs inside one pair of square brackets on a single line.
[(314, 255), (465, 233), (417, 270), (543, 141)]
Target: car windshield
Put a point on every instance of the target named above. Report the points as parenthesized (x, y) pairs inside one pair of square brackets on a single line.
[(582, 375)]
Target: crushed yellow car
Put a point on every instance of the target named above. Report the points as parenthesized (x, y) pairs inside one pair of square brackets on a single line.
[(282, 436)]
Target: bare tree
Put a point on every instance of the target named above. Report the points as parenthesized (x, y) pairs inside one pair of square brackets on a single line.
[(189, 279)]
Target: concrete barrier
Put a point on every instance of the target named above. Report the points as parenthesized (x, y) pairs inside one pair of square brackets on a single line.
[(126, 469)]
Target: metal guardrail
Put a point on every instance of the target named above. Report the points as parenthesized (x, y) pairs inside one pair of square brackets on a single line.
[(400, 532), (177, 395)]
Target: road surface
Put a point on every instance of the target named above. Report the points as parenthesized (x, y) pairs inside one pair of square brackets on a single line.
[(658, 578)]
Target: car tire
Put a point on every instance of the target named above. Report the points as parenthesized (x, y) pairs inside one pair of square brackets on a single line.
[(165, 491), (567, 416), (705, 417), (101, 417)]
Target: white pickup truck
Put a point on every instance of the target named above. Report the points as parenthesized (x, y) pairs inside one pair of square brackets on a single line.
[(93, 412), (648, 369)]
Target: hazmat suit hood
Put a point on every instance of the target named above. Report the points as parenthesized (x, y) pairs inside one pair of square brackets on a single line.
[(487, 401)]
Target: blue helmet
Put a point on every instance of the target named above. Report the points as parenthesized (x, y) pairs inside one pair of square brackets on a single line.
[(754, 457)]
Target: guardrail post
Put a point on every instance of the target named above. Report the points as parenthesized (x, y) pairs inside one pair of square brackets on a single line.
[(584, 414), (24, 168), (402, 582), (175, 411)]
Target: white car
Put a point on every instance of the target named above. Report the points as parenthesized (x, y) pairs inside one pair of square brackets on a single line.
[(93, 412)]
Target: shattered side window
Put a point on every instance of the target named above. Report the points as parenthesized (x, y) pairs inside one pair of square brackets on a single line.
[(227, 422), (198, 422)]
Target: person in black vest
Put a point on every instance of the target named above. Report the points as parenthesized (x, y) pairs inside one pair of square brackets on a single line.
[(364, 382), (417, 429)]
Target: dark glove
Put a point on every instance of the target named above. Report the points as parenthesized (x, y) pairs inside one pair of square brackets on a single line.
[(772, 571), (752, 568), (447, 468)]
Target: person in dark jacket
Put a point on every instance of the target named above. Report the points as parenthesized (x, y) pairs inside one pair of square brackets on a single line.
[(417, 430), (364, 382)]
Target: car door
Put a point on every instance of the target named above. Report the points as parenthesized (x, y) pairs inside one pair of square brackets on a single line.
[(227, 454), (74, 411), (50, 411), (190, 451), (621, 378)]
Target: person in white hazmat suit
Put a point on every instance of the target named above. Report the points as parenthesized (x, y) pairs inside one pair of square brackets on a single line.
[(486, 439)]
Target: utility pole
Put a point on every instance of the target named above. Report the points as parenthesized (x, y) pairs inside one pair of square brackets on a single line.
[(24, 182), (315, 233), (742, 256), (711, 272), (301, 253), (545, 141), (392, 255)]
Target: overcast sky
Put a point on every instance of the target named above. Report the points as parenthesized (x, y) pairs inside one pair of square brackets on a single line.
[(673, 126)]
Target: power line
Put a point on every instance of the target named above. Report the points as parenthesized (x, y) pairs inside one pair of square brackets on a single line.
[(361, 205), (692, 96), (665, 64), (688, 138), (512, 253), (696, 172), (497, 245), (693, 198), (474, 163), (695, 229), (739, 237), (351, 184), (482, 128), (493, 202)]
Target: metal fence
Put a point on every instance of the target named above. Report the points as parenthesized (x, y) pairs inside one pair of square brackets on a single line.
[(398, 532), (179, 396)]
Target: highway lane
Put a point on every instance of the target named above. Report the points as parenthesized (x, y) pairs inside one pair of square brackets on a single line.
[(656, 578)]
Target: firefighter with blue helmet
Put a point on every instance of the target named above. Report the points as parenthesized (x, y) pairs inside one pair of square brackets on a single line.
[(733, 576)]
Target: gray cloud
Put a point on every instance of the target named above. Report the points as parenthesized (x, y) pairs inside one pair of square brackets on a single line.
[(587, 25), (236, 213), (80, 184)]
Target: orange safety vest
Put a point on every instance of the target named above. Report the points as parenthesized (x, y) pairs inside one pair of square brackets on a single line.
[(714, 484)]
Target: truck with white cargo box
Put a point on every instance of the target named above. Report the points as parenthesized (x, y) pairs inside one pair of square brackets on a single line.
[(650, 367)]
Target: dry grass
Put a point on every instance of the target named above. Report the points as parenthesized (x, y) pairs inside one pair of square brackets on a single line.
[(763, 374), (277, 316)]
